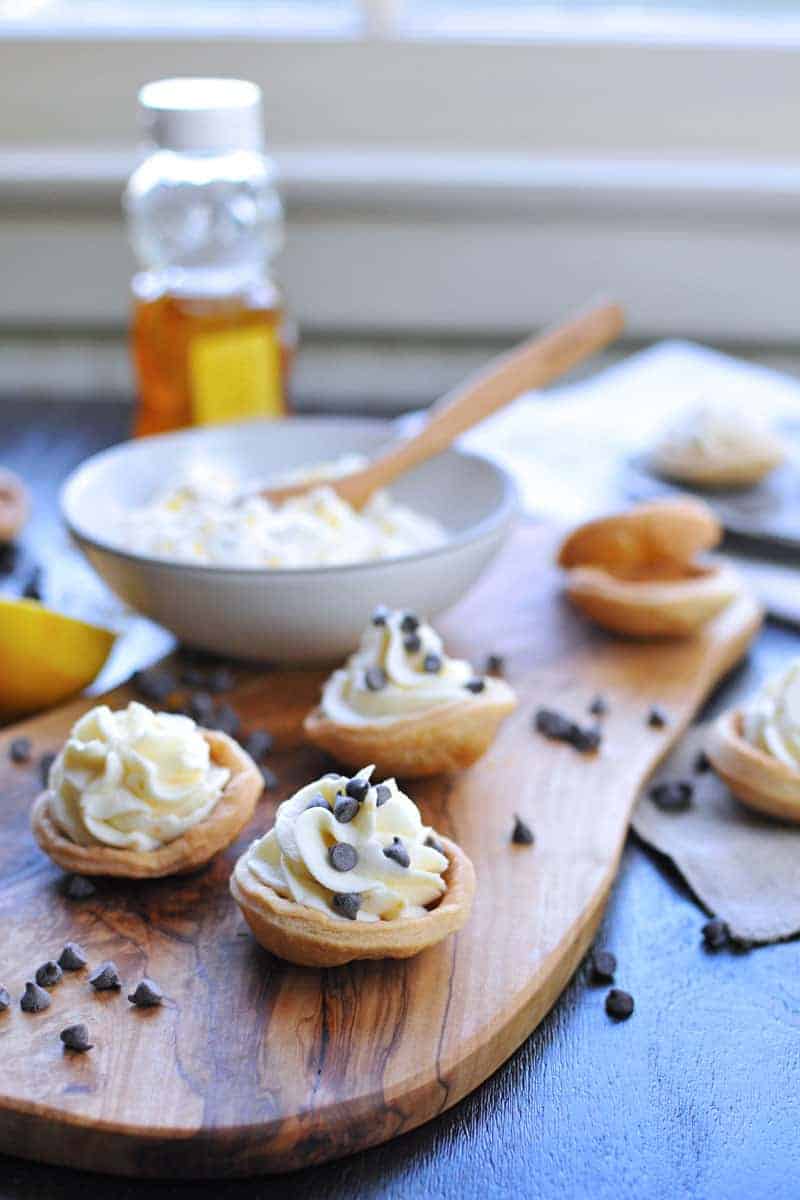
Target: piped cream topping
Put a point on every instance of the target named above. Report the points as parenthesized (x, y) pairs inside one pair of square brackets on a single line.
[(351, 849), (400, 669), (133, 779), (772, 718)]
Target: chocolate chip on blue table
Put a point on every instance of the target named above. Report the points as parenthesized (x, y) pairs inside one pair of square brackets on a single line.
[(375, 679), (318, 801), (657, 718), (259, 743), (346, 904), (702, 763), (598, 706), (382, 794), (432, 663), (380, 616), (558, 728), (5, 999), (398, 853), (475, 685), (619, 1004), (268, 778), (76, 1037), (146, 994), (78, 887), (154, 684), (603, 966), (412, 643), (716, 933), (345, 808), (409, 623), (342, 856), (674, 795), (105, 978), (72, 957), (48, 974), (34, 999), (20, 750), (45, 763), (357, 788), (495, 664), (521, 834)]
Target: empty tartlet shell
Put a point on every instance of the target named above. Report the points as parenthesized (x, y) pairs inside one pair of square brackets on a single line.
[(756, 778), (188, 852), (445, 738), (14, 505), (628, 543), (310, 938)]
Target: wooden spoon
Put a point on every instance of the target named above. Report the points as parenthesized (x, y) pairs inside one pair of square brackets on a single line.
[(533, 364)]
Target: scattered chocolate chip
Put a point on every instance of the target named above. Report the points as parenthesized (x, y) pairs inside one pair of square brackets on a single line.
[(34, 588), (432, 663), (345, 808), (49, 974), (412, 643), (269, 779), (382, 794), (375, 679), (657, 718), (702, 763), (475, 685), (226, 719), (398, 853), (35, 999), (76, 1037), (5, 999), (409, 623), (346, 904), (495, 664), (20, 750), (342, 856), (154, 684), (358, 789), (221, 679), (259, 743), (105, 978), (603, 965), (72, 957), (78, 887), (558, 728), (381, 615), (672, 796), (716, 933), (45, 763), (318, 801), (619, 1005), (521, 834), (598, 706), (146, 994), (434, 844), (192, 677), (201, 708)]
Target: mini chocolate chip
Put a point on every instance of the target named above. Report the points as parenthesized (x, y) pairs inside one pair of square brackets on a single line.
[(382, 794), (5, 999), (193, 677), (409, 623), (375, 679), (76, 1037), (49, 974), (33, 589), (398, 853), (558, 728), (381, 615), (259, 743), (434, 843), (346, 904), (475, 685), (227, 720), (432, 663), (604, 965), (201, 708), (72, 957), (495, 664), (146, 994), (598, 706), (357, 788), (342, 856), (716, 933), (657, 718), (154, 684), (412, 643), (702, 763), (78, 887), (345, 808), (35, 999), (20, 750), (269, 779), (318, 801), (105, 978), (521, 834), (672, 796), (45, 763), (221, 679), (619, 1005)]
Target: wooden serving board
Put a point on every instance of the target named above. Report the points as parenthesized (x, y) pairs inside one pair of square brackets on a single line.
[(254, 1065)]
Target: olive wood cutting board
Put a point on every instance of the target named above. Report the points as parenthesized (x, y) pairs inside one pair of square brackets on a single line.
[(253, 1065)]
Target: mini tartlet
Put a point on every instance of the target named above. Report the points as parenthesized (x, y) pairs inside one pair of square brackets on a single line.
[(638, 572), (402, 704), (756, 750), (349, 871), (140, 795), (718, 445)]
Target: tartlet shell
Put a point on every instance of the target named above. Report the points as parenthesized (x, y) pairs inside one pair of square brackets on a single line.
[(440, 739), (756, 778), (736, 473), (191, 850), (629, 542), (311, 938)]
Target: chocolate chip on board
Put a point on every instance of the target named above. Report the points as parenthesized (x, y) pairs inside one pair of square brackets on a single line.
[(76, 1037), (495, 664), (34, 999), (146, 994), (258, 743), (598, 706), (49, 974), (72, 957), (45, 763), (20, 750), (702, 763), (346, 904), (5, 999), (716, 933), (226, 719), (619, 1004), (674, 795), (105, 978), (268, 778), (154, 684), (603, 965), (521, 834), (657, 718), (78, 887), (221, 679), (558, 728)]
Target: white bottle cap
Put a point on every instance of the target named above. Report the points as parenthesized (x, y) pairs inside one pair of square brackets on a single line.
[(202, 115)]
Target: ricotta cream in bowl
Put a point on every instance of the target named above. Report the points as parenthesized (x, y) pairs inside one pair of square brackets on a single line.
[(174, 526)]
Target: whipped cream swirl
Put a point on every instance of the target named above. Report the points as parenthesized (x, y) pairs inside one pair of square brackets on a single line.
[(400, 669), (772, 718), (350, 849), (133, 779)]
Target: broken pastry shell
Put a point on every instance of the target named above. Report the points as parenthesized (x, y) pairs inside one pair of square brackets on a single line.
[(193, 849), (311, 938), (447, 737), (759, 780)]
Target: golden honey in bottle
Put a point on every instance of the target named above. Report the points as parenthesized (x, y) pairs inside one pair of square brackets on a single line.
[(208, 335)]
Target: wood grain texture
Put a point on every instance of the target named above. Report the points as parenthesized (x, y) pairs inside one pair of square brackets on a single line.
[(254, 1065)]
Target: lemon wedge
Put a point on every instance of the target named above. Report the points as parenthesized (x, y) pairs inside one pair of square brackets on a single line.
[(45, 657)]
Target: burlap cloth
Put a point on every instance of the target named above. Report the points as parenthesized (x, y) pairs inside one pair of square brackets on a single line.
[(742, 867)]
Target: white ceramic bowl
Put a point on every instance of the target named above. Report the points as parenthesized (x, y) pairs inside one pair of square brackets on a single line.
[(307, 615)]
